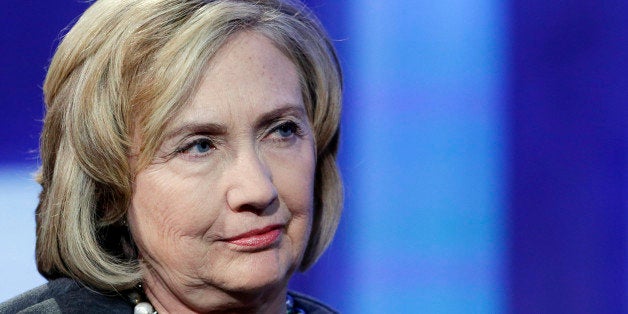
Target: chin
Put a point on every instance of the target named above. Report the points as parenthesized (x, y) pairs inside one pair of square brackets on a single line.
[(260, 272)]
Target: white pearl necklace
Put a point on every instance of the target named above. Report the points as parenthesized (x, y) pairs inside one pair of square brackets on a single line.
[(144, 308)]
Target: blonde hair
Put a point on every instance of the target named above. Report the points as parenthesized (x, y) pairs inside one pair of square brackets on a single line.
[(129, 64)]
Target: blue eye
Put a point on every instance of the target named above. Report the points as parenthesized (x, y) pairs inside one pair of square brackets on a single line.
[(202, 146), (198, 147), (286, 129)]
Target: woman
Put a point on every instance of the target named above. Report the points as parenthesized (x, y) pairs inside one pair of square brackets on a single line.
[(188, 159)]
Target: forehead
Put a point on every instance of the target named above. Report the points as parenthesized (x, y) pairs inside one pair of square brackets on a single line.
[(247, 74)]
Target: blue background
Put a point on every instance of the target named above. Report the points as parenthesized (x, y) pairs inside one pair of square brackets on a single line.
[(484, 153)]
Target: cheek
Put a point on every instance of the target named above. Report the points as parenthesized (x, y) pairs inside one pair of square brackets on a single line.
[(165, 208), (293, 175)]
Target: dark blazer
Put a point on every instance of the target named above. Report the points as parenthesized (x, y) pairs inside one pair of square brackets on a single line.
[(65, 295)]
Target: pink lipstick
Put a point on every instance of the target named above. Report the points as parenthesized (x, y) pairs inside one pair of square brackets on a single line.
[(258, 238)]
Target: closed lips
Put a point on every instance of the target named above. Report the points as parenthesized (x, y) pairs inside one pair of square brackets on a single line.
[(257, 237)]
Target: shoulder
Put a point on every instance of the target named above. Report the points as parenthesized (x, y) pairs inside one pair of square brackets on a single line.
[(65, 295), (310, 305)]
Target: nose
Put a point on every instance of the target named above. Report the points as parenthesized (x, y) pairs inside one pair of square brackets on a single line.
[(251, 188)]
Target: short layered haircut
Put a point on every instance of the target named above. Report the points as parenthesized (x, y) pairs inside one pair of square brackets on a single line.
[(124, 70)]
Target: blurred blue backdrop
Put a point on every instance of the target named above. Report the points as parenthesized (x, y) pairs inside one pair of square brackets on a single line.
[(484, 154)]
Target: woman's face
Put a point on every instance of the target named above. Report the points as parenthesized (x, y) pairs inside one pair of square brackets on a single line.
[(225, 209)]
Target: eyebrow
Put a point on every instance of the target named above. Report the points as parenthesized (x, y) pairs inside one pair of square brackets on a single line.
[(287, 109), (196, 127)]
